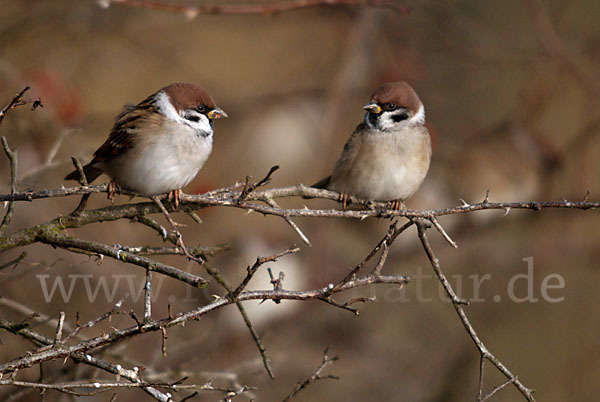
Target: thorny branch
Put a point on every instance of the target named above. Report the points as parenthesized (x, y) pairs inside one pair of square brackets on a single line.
[(244, 196), (228, 198), (50, 233), (64, 351)]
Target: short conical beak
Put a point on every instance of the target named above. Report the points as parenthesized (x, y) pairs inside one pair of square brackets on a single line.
[(372, 107), (216, 113)]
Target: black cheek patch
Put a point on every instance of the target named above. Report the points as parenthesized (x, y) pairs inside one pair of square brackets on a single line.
[(373, 118), (397, 118), (193, 118)]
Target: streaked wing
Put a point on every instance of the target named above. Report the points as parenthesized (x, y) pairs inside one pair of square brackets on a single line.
[(126, 129)]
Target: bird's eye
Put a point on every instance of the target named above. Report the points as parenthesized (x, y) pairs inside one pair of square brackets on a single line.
[(390, 106), (201, 109)]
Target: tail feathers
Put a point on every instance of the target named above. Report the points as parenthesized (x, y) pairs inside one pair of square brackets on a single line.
[(323, 184), (91, 173)]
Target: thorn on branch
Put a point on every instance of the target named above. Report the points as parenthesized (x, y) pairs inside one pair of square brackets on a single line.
[(252, 270), (586, 195), (487, 197), (248, 188), (277, 283)]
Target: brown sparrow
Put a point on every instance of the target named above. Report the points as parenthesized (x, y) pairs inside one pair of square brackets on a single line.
[(159, 145), (388, 154)]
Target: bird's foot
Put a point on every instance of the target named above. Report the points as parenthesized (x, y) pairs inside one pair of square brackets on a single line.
[(175, 197), (345, 199), (113, 188), (396, 205)]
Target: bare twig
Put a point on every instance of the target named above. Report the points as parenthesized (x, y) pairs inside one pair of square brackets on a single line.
[(387, 240), (14, 262), (96, 320), (163, 347), (260, 261), (148, 297), (458, 303), (248, 188), (12, 157), (229, 199), (151, 223), (203, 252), (19, 101), (440, 229), (382, 259), (176, 231), (59, 328), (83, 181), (51, 233), (327, 361), (214, 272), (293, 225), (105, 386), (131, 375), (120, 335), (68, 242), (498, 388)]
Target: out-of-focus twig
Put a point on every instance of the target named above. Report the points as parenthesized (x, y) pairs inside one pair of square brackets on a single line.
[(327, 361), (249, 8), (458, 306), (555, 47)]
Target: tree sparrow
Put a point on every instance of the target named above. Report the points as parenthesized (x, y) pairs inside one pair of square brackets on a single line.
[(159, 145), (388, 154)]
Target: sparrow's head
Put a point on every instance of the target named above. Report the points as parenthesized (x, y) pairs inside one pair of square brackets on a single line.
[(393, 105), (189, 104)]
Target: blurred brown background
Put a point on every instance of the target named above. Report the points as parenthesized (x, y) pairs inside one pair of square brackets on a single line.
[(511, 90)]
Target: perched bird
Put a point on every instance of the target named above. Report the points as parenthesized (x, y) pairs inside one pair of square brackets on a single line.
[(388, 154), (159, 145)]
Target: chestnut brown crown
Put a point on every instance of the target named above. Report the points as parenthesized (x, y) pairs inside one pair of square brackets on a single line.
[(185, 96), (399, 93)]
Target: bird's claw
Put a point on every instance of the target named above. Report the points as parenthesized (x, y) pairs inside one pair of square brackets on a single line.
[(175, 197)]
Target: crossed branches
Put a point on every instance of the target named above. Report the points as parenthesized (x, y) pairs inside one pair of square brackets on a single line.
[(68, 343)]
